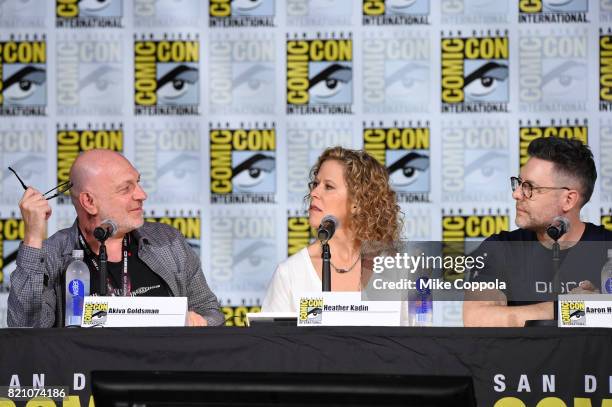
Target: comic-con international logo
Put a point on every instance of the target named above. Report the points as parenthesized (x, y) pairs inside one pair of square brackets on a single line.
[(417, 224), (22, 13), (395, 12), (306, 140), (531, 130), (187, 222), (573, 313), (320, 74), (241, 13), (474, 12), (24, 149), (242, 254), (23, 76), (73, 140), (89, 74), (404, 148), (458, 229), (236, 315), (167, 13), (553, 70), (605, 161), (319, 13), (606, 218), (605, 70), (95, 314), (475, 73), (553, 11), (88, 13), (243, 164), (299, 232), (241, 77), (169, 161), (396, 72), (475, 161), (311, 311), (166, 76), (12, 232)]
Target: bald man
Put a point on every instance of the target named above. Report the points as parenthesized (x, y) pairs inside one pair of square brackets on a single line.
[(160, 262)]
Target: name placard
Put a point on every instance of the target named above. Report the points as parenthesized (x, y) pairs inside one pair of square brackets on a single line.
[(585, 311), (345, 309), (134, 311)]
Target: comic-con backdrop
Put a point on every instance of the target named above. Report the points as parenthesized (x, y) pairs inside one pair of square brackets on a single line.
[(223, 106)]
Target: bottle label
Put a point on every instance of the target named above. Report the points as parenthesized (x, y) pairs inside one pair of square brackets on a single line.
[(607, 286), (76, 288)]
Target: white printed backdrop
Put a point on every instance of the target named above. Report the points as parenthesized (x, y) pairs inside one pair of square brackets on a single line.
[(224, 105)]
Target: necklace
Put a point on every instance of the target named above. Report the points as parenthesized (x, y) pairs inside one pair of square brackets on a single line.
[(342, 271)]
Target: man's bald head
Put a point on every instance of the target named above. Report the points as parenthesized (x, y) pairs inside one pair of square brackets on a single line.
[(88, 167)]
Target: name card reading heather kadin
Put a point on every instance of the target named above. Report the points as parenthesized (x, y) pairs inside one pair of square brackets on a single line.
[(134, 311), (345, 309), (585, 311)]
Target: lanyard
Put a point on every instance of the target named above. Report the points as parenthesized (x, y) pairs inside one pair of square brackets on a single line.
[(92, 258)]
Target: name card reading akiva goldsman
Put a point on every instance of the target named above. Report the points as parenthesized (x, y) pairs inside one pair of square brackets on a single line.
[(134, 311), (345, 309)]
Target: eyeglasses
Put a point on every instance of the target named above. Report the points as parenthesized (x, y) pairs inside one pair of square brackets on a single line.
[(61, 188), (527, 188)]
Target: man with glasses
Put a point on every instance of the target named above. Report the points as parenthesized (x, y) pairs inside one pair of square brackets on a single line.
[(557, 180), (144, 258)]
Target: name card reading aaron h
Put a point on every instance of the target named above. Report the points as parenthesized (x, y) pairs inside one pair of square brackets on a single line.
[(345, 309), (585, 310), (134, 311)]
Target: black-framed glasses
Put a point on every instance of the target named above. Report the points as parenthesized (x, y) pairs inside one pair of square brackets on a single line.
[(527, 187), (61, 188)]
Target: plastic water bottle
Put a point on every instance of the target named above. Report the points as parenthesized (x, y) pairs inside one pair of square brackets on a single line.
[(606, 275), (77, 287), (422, 305)]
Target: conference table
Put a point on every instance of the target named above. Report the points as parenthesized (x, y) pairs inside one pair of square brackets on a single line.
[(510, 367)]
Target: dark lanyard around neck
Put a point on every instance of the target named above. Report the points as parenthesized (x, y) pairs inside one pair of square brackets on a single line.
[(92, 259)]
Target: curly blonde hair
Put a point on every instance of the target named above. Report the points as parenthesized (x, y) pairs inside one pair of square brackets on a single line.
[(377, 217)]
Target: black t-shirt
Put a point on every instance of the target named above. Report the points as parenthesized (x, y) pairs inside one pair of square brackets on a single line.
[(519, 260), (143, 280)]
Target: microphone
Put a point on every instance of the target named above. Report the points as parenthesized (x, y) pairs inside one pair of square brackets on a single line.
[(106, 229), (328, 226), (558, 228)]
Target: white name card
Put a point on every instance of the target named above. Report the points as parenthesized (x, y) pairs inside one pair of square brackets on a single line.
[(585, 311), (134, 311), (345, 309)]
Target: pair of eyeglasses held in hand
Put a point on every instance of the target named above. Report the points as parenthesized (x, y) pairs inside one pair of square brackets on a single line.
[(61, 188)]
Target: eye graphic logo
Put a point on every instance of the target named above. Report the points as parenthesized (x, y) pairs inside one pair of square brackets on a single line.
[(166, 77), (396, 73), (89, 13), (167, 13), (72, 140), (241, 13), (23, 76), (475, 74), (405, 153), (169, 161), (569, 129), (242, 75), (395, 12), (23, 148), (186, 223), (89, 76), (475, 164), (311, 311), (553, 11), (22, 13), (318, 12), (605, 71), (553, 72), (320, 76), (474, 11), (573, 313), (243, 165), (12, 232)]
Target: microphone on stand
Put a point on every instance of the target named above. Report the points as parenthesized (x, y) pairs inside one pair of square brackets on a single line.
[(559, 226), (326, 230), (106, 229), (328, 226)]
